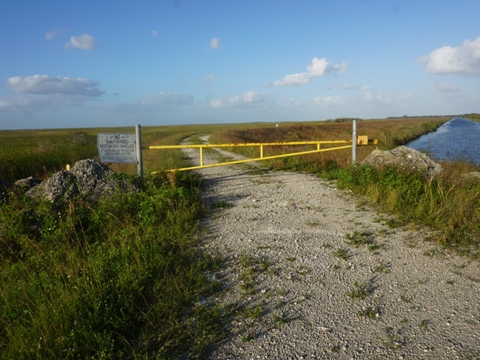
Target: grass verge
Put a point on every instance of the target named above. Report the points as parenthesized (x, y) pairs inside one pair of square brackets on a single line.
[(119, 279), (448, 203)]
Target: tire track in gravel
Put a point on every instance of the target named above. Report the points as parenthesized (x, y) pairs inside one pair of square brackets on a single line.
[(314, 273)]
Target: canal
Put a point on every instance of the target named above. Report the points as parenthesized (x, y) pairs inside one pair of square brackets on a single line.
[(457, 139)]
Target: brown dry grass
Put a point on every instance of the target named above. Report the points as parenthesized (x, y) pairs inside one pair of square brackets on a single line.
[(389, 133)]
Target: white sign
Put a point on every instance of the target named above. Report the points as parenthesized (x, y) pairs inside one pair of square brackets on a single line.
[(117, 148)]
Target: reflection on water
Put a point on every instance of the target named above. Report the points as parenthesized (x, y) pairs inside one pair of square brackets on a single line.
[(456, 139)]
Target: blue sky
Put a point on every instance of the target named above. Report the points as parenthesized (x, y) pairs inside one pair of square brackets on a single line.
[(70, 64)]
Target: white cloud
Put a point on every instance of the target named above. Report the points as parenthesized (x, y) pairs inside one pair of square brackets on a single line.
[(215, 43), (246, 99), (444, 87), (330, 100), (164, 98), (318, 67), (53, 34), (29, 102), (40, 92), (45, 84), (370, 97), (83, 42), (293, 80), (348, 86), (462, 60), (210, 78), (366, 95)]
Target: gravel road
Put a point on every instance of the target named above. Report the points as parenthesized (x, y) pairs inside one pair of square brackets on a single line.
[(314, 273)]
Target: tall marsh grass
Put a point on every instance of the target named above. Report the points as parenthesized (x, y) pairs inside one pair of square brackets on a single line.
[(25, 153)]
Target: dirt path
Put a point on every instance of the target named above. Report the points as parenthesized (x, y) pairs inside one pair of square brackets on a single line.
[(316, 274)]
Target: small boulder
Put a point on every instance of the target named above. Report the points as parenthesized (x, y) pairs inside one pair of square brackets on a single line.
[(60, 185), (87, 178), (405, 158)]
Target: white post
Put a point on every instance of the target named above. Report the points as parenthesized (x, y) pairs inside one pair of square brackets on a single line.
[(138, 149), (354, 142)]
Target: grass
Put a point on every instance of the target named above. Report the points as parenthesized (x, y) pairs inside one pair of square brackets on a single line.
[(121, 278), (341, 254), (447, 204), (250, 268), (359, 238), (23, 154), (360, 290)]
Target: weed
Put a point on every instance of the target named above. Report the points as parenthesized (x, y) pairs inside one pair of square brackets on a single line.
[(373, 247), (250, 268), (253, 313), (247, 336), (360, 290), (369, 312), (359, 238), (341, 253), (222, 205), (281, 319), (382, 268), (424, 324), (302, 270), (391, 339)]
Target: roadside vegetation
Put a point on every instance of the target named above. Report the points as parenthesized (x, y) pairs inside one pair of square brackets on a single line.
[(119, 279), (447, 204), (122, 278)]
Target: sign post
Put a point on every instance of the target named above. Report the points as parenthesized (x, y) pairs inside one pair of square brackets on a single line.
[(138, 149), (121, 148)]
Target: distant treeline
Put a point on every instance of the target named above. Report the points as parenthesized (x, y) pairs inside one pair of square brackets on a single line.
[(472, 116), (421, 116)]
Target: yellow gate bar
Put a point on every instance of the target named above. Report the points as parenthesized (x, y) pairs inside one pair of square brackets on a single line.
[(251, 160), (194, 146)]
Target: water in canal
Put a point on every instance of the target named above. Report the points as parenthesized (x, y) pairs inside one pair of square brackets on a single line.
[(456, 139)]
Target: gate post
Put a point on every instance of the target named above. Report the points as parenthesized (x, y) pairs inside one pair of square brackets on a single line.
[(354, 142)]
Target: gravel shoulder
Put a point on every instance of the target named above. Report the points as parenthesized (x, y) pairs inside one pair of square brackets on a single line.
[(314, 272)]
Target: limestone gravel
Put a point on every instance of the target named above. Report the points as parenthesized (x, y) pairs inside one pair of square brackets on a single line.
[(314, 273)]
